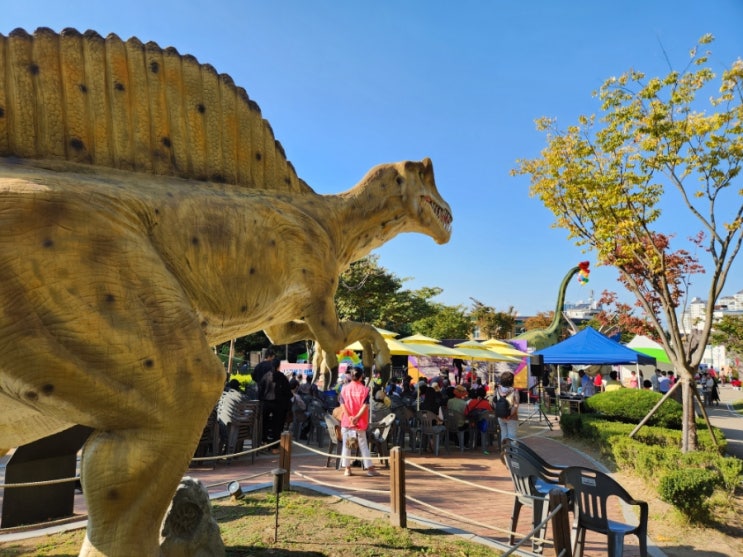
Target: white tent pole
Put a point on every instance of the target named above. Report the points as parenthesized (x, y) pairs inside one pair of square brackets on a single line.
[(232, 355)]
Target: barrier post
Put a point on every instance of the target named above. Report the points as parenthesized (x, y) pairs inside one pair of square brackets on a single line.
[(561, 522), (285, 458), (398, 515)]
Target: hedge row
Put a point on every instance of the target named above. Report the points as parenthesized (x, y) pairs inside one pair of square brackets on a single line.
[(687, 481), (632, 405)]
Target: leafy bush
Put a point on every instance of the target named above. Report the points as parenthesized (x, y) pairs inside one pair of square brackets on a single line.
[(729, 469), (571, 425), (632, 405), (245, 380), (654, 452), (624, 451), (688, 490)]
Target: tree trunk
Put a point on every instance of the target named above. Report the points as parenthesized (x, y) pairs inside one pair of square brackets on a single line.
[(689, 426)]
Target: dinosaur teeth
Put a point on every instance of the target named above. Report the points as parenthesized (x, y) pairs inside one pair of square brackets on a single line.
[(443, 216)]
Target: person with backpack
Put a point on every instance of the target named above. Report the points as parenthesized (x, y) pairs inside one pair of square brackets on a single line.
[(506, 406)]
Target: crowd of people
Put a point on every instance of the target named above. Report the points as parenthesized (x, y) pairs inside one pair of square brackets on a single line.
[(660, 381), (363, 400)]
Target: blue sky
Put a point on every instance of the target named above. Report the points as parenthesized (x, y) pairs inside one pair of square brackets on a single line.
[(348, 85)]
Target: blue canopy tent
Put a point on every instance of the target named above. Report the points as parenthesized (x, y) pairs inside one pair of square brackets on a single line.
[(589, 347)]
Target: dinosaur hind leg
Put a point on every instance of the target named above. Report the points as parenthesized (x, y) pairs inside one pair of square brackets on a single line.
[(130, 475)]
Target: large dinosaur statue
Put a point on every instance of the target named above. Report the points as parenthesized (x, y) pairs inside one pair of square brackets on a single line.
[(148, 214), (542, 338)]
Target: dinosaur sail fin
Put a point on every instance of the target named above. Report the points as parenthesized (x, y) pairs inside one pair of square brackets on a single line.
[(133, 106)]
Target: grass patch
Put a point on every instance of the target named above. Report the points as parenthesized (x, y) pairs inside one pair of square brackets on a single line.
[(310, 525)]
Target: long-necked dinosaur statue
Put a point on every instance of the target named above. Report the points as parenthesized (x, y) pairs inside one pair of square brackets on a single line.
[(542, 338), (148, 214)]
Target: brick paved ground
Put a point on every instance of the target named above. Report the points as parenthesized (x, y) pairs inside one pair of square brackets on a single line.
[(463, 507)]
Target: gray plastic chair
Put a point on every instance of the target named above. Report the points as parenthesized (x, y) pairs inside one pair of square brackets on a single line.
[(335, 441), (531, 487), (451, 423), (591, 492), (548, 471), (428, 429), (379, 435)]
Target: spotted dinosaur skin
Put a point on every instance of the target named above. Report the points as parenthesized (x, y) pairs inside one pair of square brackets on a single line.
[(148, 214)]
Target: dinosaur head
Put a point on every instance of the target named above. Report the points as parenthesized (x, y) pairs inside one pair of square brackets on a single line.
[(393, 198), (426, 210)]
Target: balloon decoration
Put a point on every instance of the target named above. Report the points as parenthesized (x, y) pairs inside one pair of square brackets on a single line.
[(584, 272), (349, 357)]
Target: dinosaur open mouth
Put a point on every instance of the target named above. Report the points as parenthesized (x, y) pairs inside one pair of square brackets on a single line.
[(443, 215)]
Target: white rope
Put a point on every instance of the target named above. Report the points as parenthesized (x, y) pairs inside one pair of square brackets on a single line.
[(235, 455), (344, 487), (333, 455), (448, 477), (43, 482), (243, 479), (439, 510)]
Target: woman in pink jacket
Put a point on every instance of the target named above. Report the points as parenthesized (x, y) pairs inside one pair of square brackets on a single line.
[(355, 397)]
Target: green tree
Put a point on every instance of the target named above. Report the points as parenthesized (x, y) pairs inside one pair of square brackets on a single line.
[(605, 187), (492, 323), (447, 322), (728, 332), (371, 294), (541, 320), (366, 291)]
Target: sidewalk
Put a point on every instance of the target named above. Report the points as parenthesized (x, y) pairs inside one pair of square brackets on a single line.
[(729, 421), (460, 508)]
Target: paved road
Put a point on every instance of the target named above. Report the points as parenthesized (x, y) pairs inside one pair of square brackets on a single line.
[(729, 421)]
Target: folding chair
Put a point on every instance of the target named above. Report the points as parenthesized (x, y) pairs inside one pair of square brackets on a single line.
[(335, 440)]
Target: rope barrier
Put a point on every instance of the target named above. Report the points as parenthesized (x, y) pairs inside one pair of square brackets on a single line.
[(530, 535), (439, 510), (466, 482), (235, 455), (243, 479), (43, 482), (333, 455), (346, 488), (427, 470)]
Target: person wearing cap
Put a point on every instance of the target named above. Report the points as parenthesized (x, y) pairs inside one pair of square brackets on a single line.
[(458, 403), (380, 406)]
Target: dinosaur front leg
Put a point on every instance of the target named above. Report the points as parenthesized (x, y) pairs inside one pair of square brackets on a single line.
[(335, 336), (369, 338), (324, 363)]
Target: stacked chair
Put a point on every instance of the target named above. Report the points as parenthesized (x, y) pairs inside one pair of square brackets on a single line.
[(533, 480)]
